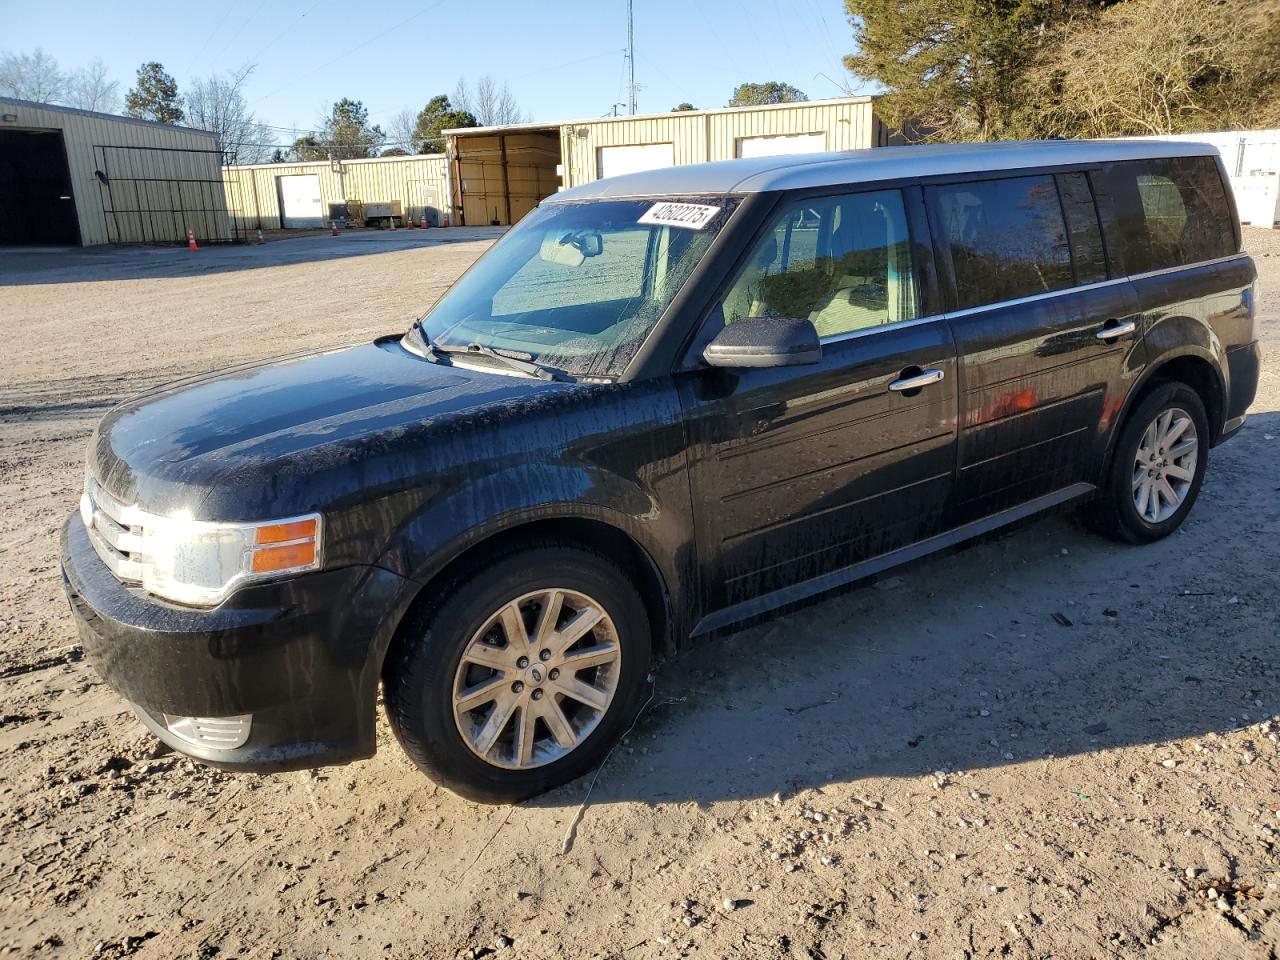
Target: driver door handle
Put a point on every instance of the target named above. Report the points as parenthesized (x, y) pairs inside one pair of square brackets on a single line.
[(916, 381), (1113, 330)]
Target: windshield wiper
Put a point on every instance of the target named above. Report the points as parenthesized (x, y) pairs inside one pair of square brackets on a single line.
[(506, 357), (429, 349)]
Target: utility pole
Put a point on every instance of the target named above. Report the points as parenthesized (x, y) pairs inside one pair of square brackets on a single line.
[(631, 61)]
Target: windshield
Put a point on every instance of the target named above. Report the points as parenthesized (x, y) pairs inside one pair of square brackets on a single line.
[(577, 287)]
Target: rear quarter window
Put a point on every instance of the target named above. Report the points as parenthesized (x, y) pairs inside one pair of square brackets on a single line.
[(1171, 212)]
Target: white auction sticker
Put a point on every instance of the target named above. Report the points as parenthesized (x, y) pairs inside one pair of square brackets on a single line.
[(688, 216)]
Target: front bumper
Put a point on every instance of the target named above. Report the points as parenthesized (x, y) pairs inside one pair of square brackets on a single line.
[(299, 657)]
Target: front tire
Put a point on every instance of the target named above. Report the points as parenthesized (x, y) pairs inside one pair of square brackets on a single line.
[(1157, 469), (520, 673)]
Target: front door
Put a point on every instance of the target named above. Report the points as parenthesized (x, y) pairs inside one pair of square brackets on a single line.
[(798, 472), (1040, 376)]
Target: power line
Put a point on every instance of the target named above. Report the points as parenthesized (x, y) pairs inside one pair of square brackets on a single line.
[(244, 23), (348, 52), (292, 23), (208, 37)]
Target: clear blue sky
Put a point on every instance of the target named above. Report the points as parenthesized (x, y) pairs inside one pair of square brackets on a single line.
[(563, 59)]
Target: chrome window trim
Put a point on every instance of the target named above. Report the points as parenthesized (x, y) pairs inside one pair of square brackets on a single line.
[(1097, 285), (1033, 298), (1241, 255), (881, 328)]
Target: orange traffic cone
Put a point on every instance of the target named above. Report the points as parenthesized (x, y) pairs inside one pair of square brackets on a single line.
[(333, 228), (260, 237), (191, 240), (446, 221)]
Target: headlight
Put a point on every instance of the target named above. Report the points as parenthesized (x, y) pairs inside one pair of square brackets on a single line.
[(200, 563)]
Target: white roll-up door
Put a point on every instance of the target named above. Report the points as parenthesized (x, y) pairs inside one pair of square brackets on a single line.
[(781, 146), (300, 201), (615, 161)]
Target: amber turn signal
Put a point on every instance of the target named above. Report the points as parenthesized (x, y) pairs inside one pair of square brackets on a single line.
[(285, 546)]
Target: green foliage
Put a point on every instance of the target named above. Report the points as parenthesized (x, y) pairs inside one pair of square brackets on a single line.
[(438, 115), (759, 94), (681, 107), (1001, 69), (155, 97), (346, 135)]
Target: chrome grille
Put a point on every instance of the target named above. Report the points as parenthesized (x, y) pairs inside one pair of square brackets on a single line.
[(115, 530)]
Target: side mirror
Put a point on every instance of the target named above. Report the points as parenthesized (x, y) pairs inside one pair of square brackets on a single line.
[(765, 342)]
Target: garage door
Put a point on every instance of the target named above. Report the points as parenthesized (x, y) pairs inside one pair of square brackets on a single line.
[(781, 146), (300, 201), (615, 161), (36, 204)]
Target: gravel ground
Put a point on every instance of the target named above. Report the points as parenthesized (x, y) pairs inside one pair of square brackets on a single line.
[(932, 766)]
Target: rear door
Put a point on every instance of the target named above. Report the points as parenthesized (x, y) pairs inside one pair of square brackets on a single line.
[(798, 472), (1047, 342)]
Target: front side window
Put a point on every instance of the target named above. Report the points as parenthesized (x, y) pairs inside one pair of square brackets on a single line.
[(843, 263), (1007, 238), (1174, 212), (579, 286)]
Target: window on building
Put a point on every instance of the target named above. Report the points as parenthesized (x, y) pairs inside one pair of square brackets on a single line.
[(1007, 238), (844, 263)]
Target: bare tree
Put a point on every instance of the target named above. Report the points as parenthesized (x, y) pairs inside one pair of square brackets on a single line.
[(1158, 66), (90, 88), (32, 76), (217, 104), (489, 103), (402, 132)]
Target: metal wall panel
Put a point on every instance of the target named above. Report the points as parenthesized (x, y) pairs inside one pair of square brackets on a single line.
[(142, 158), (418, 182), (699, 136)]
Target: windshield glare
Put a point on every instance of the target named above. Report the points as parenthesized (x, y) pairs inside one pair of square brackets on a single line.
[(578, 286)]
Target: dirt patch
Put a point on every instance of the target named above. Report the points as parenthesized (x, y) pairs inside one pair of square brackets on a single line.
[(1043, 744)]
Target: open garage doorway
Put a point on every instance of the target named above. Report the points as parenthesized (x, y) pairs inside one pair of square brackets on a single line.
[(499, 174), (36, 202)]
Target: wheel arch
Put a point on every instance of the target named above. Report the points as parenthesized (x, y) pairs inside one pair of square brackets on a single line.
[(1198, 370), (595, 534)]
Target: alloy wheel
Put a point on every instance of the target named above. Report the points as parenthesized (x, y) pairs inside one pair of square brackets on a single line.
[(536, 679), (1165, 465)]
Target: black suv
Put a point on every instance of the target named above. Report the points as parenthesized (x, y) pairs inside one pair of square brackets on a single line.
[(661, 406)]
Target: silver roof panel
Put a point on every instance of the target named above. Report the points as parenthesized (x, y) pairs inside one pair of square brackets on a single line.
[(799, 171)]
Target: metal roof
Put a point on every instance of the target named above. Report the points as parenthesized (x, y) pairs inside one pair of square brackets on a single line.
[(555, 125), (866, 166), (98, 115)]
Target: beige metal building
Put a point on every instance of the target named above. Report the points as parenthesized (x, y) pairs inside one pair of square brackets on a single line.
[(77, 177), (292, 195), (498, 174)]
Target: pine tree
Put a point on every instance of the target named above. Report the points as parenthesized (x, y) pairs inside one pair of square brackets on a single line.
[(155, 97)]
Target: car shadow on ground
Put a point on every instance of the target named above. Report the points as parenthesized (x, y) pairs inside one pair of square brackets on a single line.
[(1044, 640), (33, 265)]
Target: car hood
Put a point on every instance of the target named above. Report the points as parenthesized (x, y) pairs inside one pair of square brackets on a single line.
[(257, 441)]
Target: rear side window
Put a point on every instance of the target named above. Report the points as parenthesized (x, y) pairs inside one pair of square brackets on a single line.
[(1007, 238), (1172, 212)]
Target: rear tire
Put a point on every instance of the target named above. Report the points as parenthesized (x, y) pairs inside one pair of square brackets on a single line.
[(475, 684), (1157, 468)]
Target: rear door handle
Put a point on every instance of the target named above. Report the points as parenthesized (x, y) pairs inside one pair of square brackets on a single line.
[(916, 381), (1113, 330)]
